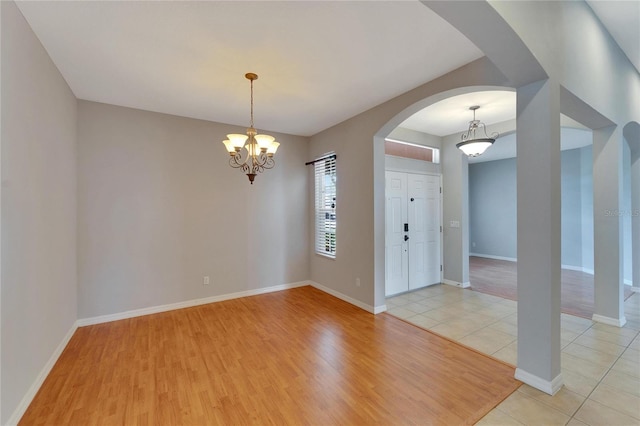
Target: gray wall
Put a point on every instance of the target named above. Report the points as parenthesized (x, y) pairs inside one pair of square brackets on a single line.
[(571, 173), (159, 208), (38, 294), (626, 213), (492, 209), (586, 191)]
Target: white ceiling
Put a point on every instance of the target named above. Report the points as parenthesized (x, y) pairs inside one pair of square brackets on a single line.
[(319, 63), (189, 58), (505, 146), (452, 115)]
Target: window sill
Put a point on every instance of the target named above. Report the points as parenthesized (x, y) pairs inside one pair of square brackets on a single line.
[(326, 256)]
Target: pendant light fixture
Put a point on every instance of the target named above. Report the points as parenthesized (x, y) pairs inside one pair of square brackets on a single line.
[(260, 149), (472, 144)]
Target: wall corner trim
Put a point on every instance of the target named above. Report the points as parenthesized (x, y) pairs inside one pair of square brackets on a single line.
[(456, 283), (35, 386), (348, 299), (380, 309), (616, 322), (546, 386)]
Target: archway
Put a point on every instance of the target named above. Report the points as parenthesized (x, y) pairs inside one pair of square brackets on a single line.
[(454, 170)]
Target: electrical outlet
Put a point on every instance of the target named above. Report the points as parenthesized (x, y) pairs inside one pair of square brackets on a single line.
[(357, 282), (205, 280)]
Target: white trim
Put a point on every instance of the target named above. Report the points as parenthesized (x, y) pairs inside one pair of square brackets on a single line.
[(635, 289), (35, 386), (490, 256), (572, 268), (616, 322), (344, 297), (628, 282), (456, 283), (577, 268), (513, 259), (546, 386), (417, 145), (379, 309), (186, 304)]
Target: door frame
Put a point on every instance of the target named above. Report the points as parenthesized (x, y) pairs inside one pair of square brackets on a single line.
[(441, 218)]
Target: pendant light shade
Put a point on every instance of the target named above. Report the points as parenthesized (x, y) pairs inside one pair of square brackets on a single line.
[(475, 144)]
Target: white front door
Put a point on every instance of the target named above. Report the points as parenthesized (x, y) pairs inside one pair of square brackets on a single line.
[(412, 231), (424, 230), (418, 256), (397, 261)]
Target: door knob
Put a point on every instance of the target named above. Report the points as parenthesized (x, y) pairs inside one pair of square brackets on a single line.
[(406, 237)]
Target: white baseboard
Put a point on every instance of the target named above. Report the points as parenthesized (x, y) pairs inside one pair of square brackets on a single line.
[(347, 299), (456, 283), (490, 256), (513, 259), (379, 309), (616, 322), (635, 289), (35, 386), (546, 386), (186, 304)]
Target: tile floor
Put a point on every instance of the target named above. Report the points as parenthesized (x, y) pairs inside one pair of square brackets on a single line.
[(600, 363)]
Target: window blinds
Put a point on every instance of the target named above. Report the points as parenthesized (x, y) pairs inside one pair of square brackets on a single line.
[(325, 194)]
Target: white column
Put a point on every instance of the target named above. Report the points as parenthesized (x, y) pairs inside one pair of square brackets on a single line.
[(538, 163), (608, 226)]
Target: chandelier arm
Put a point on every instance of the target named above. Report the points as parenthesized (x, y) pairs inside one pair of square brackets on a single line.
[(484, 130), (269, 162), (236, 161)]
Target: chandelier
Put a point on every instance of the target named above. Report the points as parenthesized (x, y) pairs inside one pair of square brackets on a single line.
[(260, 149), (471, 144)]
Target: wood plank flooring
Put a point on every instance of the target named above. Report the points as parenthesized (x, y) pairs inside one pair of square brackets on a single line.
[(293, 357), (499, 278)]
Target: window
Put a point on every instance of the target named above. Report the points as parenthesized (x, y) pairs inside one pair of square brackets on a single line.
[(325, 191), (411, 150)]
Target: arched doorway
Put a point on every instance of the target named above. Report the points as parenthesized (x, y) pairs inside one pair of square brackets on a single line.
[(455, 204)]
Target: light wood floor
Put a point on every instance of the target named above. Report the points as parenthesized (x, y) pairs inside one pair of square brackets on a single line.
[(499, 278), (293, 357)]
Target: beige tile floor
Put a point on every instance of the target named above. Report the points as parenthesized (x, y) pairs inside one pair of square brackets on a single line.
[(600, 363)]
